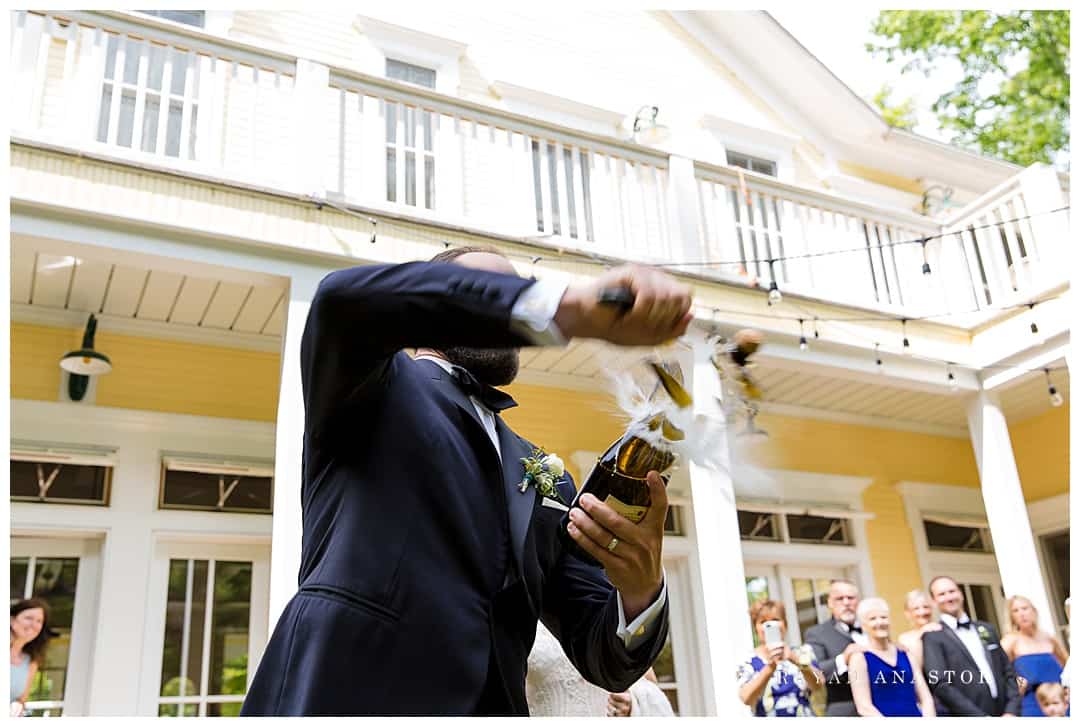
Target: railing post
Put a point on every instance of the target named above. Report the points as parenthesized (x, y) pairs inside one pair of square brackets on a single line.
[(312, 148), (682, 201), (1042, 193)]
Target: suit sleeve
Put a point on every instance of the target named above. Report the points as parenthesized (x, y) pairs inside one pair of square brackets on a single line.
[(1010, 688), (581, 609), (821, 651), (942, 684), (360, 317)]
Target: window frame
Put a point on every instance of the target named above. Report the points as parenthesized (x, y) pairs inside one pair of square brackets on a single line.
[(258, 469), (59, 457), (751, 159)]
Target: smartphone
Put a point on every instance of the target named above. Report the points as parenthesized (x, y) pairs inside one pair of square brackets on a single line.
[(772, 633)]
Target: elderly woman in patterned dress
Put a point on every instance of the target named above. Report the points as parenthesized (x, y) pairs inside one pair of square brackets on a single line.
[(776, 681)]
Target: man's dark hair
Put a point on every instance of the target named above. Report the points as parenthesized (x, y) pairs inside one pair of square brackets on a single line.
[(935, 579), (452, 253)]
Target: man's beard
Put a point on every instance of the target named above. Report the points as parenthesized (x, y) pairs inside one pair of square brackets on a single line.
[(491, 366)]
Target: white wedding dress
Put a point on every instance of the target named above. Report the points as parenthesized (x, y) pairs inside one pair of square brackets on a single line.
[(553, 687)]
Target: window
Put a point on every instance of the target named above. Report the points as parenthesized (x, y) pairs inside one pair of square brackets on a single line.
[(169, 111), (207, 627), (794, 528), (53, 580), (194, 485), (955, 536), (814, 529), (758, 526), (673, 522), (59, 482), (980, 604), (187, 17), (751, 163), (410, 140)]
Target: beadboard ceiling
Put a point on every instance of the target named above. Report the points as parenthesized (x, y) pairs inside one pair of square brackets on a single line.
[(54, 283)]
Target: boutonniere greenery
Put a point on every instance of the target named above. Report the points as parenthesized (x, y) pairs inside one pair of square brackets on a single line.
[(544, 472), (984, 633)]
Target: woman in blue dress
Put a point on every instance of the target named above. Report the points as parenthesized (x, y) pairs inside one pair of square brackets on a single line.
[(885, 680), (776, 681), (1037, 656)]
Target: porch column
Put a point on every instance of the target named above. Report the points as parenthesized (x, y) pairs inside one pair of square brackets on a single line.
[(723, 620), (288, 452), (1006, 511)]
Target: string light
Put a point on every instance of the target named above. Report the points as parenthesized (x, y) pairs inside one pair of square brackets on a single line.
[(878, 366), (1034, 325), (775, 297), (954, 385), (1056, 399), (802, 337), (374, 223), (816, 334), (925, 259), (907, 343)]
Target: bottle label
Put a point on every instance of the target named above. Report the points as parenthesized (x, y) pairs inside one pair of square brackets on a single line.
[(633, 513)]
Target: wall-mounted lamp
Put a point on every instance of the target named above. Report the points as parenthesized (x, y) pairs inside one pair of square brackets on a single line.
[(84, 363), (645, 129)]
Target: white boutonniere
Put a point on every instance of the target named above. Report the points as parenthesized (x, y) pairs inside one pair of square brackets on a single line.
[(544, 472), (984, 633)]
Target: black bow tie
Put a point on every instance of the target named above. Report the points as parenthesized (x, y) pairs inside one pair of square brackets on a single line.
[(854, 629), (965, 624), (489, 396)]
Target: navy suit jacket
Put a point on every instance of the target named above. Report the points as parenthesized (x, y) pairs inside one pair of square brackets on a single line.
[(409, 517), (955, 680)]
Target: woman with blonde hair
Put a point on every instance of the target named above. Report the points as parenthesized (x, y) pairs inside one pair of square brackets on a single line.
[(919, 610), (1036, 655)]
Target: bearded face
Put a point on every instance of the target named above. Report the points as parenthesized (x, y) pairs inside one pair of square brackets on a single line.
[(491, 366)]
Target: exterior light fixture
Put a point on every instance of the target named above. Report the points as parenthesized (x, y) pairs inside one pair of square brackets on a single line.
[(84, 363), (645, 128)]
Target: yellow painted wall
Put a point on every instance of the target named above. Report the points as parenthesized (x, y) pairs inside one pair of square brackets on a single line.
[(172, 376), (1041, 446), (880, 176), (151, 374)]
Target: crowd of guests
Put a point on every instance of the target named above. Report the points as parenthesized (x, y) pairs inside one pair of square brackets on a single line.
[(952, 666), (29, 637)]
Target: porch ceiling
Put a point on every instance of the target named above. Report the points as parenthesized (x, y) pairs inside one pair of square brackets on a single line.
[(186, 300)]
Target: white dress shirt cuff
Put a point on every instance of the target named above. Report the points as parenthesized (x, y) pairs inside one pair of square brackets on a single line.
[(533, 314), (841, 665), (639, 628)]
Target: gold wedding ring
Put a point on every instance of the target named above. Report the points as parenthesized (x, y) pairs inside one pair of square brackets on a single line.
[(612, 544)]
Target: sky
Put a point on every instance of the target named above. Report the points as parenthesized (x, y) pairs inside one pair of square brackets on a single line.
[(838, 40)]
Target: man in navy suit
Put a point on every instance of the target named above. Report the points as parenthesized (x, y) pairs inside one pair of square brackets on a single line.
[(424, 566)]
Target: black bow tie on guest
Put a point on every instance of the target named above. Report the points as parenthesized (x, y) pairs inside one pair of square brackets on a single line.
[(854, 629), (964, 624), (489, 396)]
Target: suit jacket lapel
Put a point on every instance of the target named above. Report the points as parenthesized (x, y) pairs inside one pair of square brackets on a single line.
[(959, 643), (519, 504)]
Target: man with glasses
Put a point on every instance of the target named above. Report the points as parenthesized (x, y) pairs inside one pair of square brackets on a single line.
[(834, 642)]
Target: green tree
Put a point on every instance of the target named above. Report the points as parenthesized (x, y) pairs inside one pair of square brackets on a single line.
[(901, 115), (1019, 115)]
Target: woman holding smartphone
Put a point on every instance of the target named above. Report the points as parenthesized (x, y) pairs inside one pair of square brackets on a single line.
[(776, 681)]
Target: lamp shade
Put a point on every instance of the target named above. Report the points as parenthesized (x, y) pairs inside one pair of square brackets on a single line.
[(86, 362)]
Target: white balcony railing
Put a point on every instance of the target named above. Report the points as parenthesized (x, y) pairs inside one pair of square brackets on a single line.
[(148, 90)]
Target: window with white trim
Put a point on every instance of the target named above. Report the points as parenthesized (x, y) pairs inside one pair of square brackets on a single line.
[(751, 163), (673, 521), (945, 534), (191, 484), (204, 662), (67, 479), (410, 141), (149, 97), (196, 18), (825, 528)]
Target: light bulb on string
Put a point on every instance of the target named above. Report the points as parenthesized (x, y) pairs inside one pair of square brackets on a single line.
[(803, 345), (1056, 399), (879, 367), (775, 297), (954, 385), (925, 259), (907, 343), (1034, 325), (816, 334)]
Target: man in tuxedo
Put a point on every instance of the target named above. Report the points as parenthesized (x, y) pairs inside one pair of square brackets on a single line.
[(424, 565), (966, 668), (834, 642)]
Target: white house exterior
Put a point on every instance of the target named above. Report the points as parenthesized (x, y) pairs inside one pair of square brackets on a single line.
[(189, 179)]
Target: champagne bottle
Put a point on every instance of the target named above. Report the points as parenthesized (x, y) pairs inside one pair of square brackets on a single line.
[(618, 479)]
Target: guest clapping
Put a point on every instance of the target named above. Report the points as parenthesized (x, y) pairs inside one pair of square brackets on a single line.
[(884, 683), (1037, 656), (776, 681)]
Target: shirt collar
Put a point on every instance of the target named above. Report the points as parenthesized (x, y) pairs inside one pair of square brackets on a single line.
[(442, 362), (953, 621)]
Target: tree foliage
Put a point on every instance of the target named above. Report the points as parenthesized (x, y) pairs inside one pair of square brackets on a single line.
[(901, 115), (1013, 99)]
